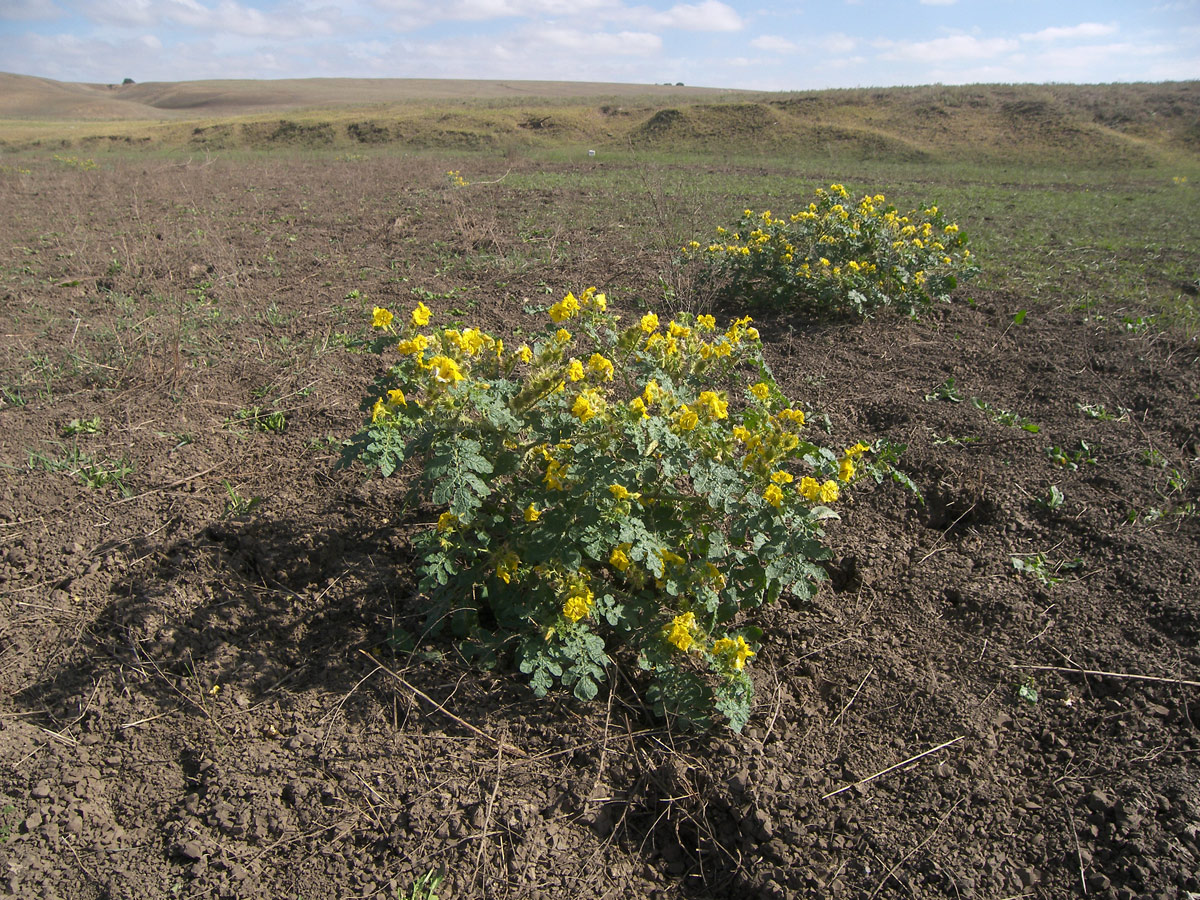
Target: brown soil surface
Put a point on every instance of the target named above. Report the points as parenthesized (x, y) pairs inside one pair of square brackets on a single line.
[(187, 707)]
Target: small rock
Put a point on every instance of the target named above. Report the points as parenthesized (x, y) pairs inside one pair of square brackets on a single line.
[(1099, 801), (1098, 882), (192, 850)]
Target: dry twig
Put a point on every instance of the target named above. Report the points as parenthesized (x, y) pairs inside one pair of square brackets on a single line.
[(899, 765)]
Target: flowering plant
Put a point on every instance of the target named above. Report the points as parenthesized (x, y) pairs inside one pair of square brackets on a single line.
[(609, 491), (839, 257)]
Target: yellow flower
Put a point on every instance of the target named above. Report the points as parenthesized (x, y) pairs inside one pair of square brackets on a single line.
[(760, 390), (950, 229), (680, 633), (810, 490), (473, 340), (668, 556), (556, 472), (649, 323), (845, 469), (524, 354), (857, 450), (773, 495), (445, 370), (578, 603), (651, 392), (638, 405), (587, 405), (716, 407), (562, 336), (752, 333), (565, 308), (706, 323), (781, 477), (575, 370), (621, 492), (378, 411), (742, 433), (532, 513), (420, 315), (446, 521), (413, 346), (396, 397), (829, 492), (381, 318), (600, 366), (619, 559), (507, 567), (735, 647), (688, 419), (794, 416)]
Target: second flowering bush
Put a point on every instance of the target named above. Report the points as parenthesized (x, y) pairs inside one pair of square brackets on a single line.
[(838, 257), (609, 491)]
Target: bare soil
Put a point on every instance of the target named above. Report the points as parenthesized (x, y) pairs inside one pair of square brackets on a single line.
[(197, 700)]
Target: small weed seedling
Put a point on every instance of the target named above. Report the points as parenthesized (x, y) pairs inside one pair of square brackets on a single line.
[(1026, 692), (1004, 417), (260, 419), (92, 473), (425, 887), (86, 426), (1072, 459), (13, 397), (1098, 412), (947, 390), (1036, 566), (237, 505), (1053, 498), (954, 440)]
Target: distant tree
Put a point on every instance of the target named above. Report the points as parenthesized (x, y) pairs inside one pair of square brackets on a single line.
[(128, 81)]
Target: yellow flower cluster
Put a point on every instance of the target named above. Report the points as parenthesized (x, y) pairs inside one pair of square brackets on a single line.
[(680, 631), (570, 306), (578, 602), (506, 566), (736, 650)]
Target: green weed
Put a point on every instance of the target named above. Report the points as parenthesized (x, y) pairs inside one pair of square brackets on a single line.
[(1072, 459), (86, 426), (261, 420), (1100, 413), (1004, 417), (947, 390), (236, 504), (425, 887), (1039, 568)]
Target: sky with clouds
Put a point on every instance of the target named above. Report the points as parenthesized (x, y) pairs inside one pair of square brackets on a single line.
[(764, 45)]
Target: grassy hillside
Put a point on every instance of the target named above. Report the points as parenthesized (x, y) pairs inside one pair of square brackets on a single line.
[(1127, 126)]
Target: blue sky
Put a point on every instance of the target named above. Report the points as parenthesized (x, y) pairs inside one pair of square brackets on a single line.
[(762, 45)]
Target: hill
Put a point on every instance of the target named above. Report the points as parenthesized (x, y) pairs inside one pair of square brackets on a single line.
[(1123, 125)]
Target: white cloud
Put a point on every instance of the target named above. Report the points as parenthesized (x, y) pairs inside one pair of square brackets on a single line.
[(938, 50), (547, 40), (772, 44), (710, 15), (29, 10), (226, 17), (838, 43), (1085, 30)]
